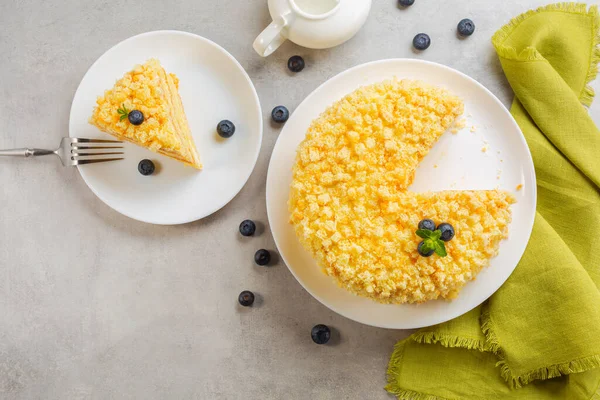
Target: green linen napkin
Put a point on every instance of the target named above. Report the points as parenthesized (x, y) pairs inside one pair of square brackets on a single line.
[(538, 336)]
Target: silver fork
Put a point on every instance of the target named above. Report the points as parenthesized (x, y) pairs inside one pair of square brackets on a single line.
[(70, 151)]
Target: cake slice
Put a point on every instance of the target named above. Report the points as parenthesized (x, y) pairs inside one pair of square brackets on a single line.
[(164, 128)]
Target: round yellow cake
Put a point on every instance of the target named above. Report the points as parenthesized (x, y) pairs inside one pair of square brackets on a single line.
[(351, 209)]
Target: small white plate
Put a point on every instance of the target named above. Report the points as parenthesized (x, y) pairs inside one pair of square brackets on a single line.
[(213, 86), (461, 164)]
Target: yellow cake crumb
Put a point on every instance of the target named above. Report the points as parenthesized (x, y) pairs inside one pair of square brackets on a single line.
[(458, 125), (473, 128), (519, 186), (351, 210)]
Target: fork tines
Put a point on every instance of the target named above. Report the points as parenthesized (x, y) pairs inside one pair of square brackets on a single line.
[(89, 155)]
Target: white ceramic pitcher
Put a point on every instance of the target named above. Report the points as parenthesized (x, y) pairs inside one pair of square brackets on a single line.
[(316, 24)]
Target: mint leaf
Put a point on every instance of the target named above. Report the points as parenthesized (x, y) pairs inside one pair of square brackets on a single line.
[(424, 233), (432, 242), (428, 246), (440, 248), (123, 112)]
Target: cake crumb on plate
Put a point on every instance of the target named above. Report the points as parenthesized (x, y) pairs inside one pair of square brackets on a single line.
[(460, 124)]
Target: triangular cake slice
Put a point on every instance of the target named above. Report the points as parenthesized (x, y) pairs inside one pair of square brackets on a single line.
[(148, 88)]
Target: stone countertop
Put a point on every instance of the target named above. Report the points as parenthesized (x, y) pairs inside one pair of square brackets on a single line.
[(94, 305)]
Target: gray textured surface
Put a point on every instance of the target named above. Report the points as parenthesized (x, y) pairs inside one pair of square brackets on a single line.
[(94, 305)]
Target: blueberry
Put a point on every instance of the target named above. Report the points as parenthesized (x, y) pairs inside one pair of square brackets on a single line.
[(146, 167), (320, 334), (447, 231), (421, 41), (247, 228), (466, 27), (262, 257), (246, 298), (135, 117), (420, 250), (226, 129), (406, 3), (280, 114), (427, 224), (296, 63)]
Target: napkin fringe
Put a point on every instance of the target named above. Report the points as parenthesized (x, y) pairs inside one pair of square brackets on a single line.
[(447, 340), (587, 95), (596, 396), (551, 371), (494, 346), (531, 54), (410, 395), (393, 372)]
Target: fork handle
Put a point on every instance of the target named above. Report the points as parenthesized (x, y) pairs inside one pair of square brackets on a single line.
[(25, 152)]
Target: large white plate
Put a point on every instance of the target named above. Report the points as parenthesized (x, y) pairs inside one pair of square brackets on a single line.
[(213, 86), (461, 164)]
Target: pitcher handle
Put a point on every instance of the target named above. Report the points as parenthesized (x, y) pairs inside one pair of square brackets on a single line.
[(271, 38)]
